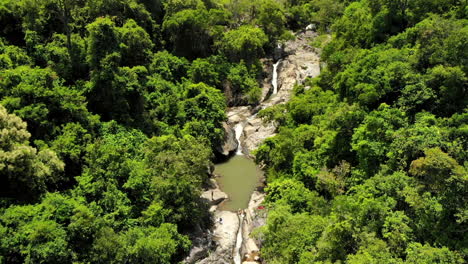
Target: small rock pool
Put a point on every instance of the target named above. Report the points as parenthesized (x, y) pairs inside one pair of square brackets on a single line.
[(239, 176)]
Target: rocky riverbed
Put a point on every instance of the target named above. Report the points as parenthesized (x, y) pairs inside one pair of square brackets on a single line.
[(298, 61)]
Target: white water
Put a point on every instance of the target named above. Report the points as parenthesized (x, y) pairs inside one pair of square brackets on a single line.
[(274, 80), (239, 129), (310, 27), (237, 256)]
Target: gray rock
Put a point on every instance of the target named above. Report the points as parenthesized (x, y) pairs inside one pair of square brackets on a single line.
[(278, 52), (225, 236), (214, 196), (254, 218), (301, 62), (196, 253), (238, 114), (230, 143)]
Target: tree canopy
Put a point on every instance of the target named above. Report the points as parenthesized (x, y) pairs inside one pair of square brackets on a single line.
[(111, 112)]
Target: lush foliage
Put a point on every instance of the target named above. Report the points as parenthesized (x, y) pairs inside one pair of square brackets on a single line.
[(109, 114), (110, 111), (370, 163)]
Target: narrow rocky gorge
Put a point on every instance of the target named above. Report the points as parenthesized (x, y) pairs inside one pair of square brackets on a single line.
[(230, 241), (299, 62)]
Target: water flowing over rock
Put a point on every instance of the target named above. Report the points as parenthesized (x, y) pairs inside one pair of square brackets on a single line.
[(298, 62), (239, 129), (226, 232), (301, 62), (274, 81)]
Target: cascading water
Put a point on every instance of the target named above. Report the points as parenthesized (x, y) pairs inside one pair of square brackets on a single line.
[(239, 175), (274, 80), (237, 256), (239, 129)]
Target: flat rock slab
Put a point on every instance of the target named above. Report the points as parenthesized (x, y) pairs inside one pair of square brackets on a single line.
[(225, 234)]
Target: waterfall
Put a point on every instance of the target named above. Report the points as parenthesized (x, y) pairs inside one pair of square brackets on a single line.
[(274, 80), (237, 256), (239, 129)]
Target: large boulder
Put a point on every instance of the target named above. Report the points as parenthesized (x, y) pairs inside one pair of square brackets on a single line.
[(214, 196), (230, 142)]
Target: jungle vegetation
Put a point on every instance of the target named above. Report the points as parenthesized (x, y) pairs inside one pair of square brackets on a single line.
[(110, 111)]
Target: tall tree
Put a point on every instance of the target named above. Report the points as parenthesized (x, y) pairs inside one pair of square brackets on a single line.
[(25, 172)]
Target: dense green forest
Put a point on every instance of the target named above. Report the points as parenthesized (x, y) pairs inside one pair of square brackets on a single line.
[(370, 164), (111, 110), (109, 114)]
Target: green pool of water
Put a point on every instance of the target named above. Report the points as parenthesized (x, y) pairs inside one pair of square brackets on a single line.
[(239, 178)]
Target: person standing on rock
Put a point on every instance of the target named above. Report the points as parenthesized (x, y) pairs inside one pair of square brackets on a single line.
[(220, 221)]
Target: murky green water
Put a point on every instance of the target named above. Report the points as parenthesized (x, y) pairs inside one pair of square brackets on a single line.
[(239, 178)]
